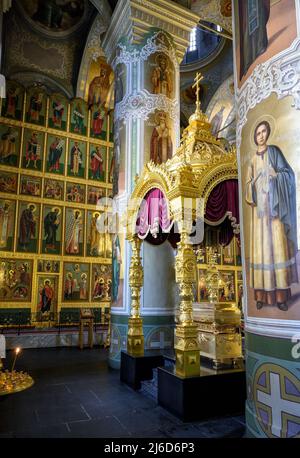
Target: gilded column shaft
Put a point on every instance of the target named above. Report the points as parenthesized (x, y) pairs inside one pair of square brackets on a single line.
[(135, 340), (186, 334)]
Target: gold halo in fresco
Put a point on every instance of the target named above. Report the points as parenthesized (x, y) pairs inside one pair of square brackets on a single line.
[(273, 124)]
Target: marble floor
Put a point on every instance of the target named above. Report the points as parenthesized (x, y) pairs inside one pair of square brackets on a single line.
[(76, 395)]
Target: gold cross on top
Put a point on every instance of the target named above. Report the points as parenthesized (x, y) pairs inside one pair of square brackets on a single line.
[(198, 79)]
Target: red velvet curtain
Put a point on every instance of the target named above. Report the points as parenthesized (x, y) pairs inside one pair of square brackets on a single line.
[(222, 210)]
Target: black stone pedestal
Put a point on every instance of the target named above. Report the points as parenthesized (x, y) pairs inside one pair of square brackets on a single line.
[(215, 393), (135, 369)]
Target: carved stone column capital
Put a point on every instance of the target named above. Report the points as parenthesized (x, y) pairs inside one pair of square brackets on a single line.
[(134, 19)]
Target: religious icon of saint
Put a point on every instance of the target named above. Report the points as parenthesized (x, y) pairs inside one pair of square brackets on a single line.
[(161, 77), (97, 164), (78, 118), (11, 102), (46, 296), (271, 192), (8, 146), (35, 107), (70, 286), (73, 232), (161, 148), (83, 293), (99, 87), (97, 238), (27, 227), (98, 120), (76, 159), (51, 225), (55, 152), (4, 224), (217, 122), (58, 111), (99, 284), (33, 151)]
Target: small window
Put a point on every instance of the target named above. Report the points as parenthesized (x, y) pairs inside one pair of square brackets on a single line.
[(193, 40)]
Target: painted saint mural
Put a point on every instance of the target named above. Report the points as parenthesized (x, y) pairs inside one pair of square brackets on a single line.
[(47, 294), (98, 122), (96, 237), (10, 138), (76, 282), (75, 192), (271, 205), (53, 189), (101, 282), (28, 226), (15, 281), (36, 106), (8, 182), (56, 147), (58, 112), (100, 86), (33, 147), (13, 103), (52, 226), (77, 158), (7, 224), (161, 147), (30, 186), (161, 77), (79, 115), (74, 232), (97, 163), (271, 193)]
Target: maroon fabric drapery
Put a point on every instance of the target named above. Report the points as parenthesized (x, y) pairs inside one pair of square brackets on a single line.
[(153, 217), (222, 210)]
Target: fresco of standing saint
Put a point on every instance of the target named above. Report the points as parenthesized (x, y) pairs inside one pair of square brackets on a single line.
[(74, 232), (55, 154), (28, 227), (47, 294), (9, 145), (33, 146), (78, 118), (161, 146), (162, 77), (271, 193), (58, 112), (77, 159), (7, 224), (13, 104), (36, 106), (96, 238), (52, 230), (97, 163)]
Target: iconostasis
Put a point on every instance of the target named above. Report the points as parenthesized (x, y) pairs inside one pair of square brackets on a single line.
[(229, 267), (56, 164)]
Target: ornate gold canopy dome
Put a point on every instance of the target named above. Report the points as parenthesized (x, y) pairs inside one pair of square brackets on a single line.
[(198, 145)]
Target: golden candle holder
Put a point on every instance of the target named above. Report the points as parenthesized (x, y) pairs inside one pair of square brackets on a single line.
[(14, 381)]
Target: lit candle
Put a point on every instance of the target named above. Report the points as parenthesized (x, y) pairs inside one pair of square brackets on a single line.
[(16, 354)]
